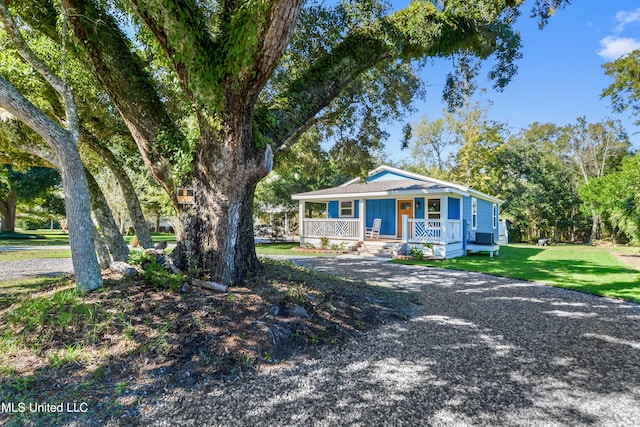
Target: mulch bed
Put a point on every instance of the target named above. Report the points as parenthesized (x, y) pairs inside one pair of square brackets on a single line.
[(139, 345)]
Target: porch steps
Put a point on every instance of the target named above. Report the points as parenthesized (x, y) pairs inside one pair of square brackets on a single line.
[(380, 249)]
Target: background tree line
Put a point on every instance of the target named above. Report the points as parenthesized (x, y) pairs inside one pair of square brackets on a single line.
[(550, 176)]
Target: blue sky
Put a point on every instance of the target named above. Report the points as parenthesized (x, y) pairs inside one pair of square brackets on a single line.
[(560, 76)]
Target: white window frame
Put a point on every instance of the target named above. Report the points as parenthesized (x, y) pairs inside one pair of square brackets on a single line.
[(495, 216), (474, 213), (352, 209), (439, 213)]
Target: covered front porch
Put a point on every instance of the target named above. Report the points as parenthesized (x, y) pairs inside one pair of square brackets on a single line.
[(433, 220)]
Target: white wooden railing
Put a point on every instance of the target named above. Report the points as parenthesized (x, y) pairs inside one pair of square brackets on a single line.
[(454, 230), (432, 231), (331, 228), (425, 231)]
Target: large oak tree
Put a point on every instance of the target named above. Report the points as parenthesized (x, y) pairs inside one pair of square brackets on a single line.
[(221, 56)]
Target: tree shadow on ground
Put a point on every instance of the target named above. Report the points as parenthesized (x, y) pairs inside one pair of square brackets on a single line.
[(128, 348), (484, 351)]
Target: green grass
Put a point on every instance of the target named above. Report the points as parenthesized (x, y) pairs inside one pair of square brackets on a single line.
[(35, 238), (285, 249), (12, 291), (157, 238), (276, 249), (579, 267), (24, 254)]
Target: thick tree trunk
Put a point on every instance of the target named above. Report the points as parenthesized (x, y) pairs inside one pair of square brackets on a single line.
[(8, 212), (216, 236), (217, 233), (117, 246)]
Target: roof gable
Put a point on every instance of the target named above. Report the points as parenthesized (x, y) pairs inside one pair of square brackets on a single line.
[(387, 175), (389, 180)]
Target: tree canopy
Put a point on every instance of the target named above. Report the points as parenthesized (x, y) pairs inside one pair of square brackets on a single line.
[(230, 67)]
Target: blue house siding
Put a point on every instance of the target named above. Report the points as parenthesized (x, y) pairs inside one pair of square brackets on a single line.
[(453, 206), (485, 217), (466, 209), (387, 176), (385, 209), (332, 209), (418, 212)]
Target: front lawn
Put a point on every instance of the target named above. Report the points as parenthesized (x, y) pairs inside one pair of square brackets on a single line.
[(35, 238), (579, 267), (288, 248)]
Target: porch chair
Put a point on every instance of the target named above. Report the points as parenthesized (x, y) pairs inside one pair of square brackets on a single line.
[(374, 231)]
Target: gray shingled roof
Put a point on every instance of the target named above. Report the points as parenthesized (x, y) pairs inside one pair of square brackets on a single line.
[(375, 187)]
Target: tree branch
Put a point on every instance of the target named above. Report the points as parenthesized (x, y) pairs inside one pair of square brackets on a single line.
[(123, 75), (29, 114), (418, 31), (29, 56)]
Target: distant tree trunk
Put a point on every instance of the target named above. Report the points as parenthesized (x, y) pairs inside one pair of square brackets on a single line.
[(157, 223), (117, 246), (8, 212), (595, 221), (101, 249), (129, 193)]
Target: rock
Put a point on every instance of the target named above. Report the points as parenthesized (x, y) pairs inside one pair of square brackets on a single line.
[(274, 310), (297, 311), (123, 267)]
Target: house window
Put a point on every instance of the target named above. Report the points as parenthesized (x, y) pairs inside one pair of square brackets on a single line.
[(346, 209), (474, 213), (433, 208), (495, 216)]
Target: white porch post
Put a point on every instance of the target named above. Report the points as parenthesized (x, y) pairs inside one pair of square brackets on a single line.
[(301, 221), (405, 228), (363, 218), (444, 217)]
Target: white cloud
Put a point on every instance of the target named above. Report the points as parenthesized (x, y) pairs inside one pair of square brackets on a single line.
[(615, 47), (624, 18)]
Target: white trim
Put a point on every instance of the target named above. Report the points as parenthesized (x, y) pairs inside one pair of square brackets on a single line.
[(494, 216), (426, 208), (481, 195), (454, 188), (385, 168), (474, 203), (378, 194), (353, 209)]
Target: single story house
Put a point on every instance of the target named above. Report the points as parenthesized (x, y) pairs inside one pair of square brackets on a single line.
[(409, 208)]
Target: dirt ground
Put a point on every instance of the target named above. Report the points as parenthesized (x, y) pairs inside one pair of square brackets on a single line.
[(631, 259), (131, 345)]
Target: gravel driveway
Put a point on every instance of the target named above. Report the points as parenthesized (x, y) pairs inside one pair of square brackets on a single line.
[(35, 268), (484, 351)]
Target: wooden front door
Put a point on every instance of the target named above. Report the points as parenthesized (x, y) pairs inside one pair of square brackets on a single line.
[(404, 207)]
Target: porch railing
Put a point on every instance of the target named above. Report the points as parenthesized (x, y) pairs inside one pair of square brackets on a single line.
[(425, 231), (432, 231), (331, 228), (454, 231)]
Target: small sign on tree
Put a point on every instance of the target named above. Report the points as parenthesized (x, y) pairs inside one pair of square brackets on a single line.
[(186, 196)]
